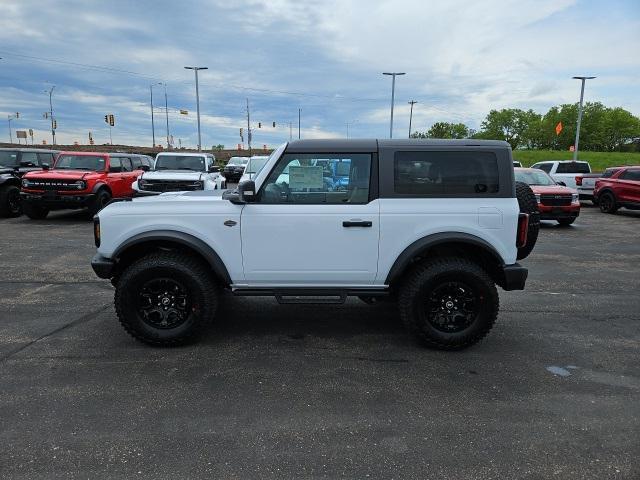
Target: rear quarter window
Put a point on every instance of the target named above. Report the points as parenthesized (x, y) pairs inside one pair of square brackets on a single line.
[(447, 173)]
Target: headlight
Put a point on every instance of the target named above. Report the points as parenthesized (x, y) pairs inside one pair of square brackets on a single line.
[(575, 197), (142, 183), (537, 197), (80, 184), (25, 182), (198, 185)]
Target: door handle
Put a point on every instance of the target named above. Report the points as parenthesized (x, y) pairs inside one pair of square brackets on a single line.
[(357, 223)]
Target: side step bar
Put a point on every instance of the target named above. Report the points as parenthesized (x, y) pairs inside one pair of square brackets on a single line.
[(309, 295)]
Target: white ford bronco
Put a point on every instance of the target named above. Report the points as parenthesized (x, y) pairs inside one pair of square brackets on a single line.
[(180, 171), (433, 225)]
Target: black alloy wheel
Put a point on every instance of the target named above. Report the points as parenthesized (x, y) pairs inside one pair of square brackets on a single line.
[(451, 307), (163, 303)]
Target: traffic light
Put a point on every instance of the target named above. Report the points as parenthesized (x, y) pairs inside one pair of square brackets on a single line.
[(17, 114), (241, 134), (55, 124), (112, 120), (259, 124), (274, 124), (106, 119)]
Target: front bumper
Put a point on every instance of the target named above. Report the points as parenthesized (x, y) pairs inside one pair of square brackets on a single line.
[(102, 266), (559, 213), (514, 277), (54, 200)]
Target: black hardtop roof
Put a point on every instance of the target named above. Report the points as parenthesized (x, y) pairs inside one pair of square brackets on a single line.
[(29, 150), (371, 144)]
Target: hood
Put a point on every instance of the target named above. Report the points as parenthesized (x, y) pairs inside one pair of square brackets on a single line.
[(63, 174), (552, 190), (202, 195), (172, 175)]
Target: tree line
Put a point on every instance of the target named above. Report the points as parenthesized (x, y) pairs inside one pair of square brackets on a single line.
[(602, 129)]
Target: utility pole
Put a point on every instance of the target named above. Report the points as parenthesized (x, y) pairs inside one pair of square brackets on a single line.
[(393, 92), (575, 149), (412, 103), (196, 69), (9, 118), (166, 112), (290, 131), (248, 128), (299, 112), (53, 130)]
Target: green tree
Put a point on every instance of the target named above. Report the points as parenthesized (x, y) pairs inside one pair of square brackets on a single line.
[(619, 127), (508, 124), (445, 130)]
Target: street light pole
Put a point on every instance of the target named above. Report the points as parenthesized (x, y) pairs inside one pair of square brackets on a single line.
[(575, 148), (196, 69), (412, 103), (299, 112), (53, 131), (166, 112), (393, 93)]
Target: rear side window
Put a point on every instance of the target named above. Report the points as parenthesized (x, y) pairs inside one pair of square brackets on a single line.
[(446, 173), (46, 158), (126, 164), (630, 175), (573, 167), (115, 165), (29, 159), (136, 162)]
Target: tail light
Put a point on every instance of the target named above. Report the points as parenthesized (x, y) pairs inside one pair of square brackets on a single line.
[(96, 231), (523, 229), (579, 181)]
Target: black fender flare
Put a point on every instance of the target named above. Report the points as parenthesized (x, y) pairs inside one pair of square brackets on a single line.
[(100, 185), (184, 239), (9, 179), (425, 243)]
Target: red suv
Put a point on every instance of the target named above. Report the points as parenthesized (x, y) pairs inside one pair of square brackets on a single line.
[(80, 180), (555, 200), (618, 187)]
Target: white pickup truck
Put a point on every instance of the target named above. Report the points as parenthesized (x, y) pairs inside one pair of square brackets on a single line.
[(573, 174)]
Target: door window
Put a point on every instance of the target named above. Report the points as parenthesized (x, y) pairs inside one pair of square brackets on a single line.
[(45, 158), (630, 175), (29, 159), (126, 164), (115, 165), (307, 178)]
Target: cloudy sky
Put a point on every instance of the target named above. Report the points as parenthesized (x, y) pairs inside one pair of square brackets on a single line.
[(462, 58)]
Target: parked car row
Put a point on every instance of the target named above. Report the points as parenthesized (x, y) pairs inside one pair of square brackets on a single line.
[(37, 181)]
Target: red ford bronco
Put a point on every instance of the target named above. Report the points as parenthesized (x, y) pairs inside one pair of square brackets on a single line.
[(79, 180)]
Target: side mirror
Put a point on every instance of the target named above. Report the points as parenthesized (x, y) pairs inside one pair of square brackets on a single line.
[(45, 166), (562, 183), (244, 193), (145, 168)]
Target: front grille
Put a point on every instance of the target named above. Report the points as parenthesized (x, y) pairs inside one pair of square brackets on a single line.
[(555, 200), (52, 185), (171, 185)]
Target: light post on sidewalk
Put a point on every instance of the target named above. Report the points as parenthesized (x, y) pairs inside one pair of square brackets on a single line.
[(575, 148)]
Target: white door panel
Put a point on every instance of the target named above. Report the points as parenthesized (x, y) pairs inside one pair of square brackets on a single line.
[(308, 244)]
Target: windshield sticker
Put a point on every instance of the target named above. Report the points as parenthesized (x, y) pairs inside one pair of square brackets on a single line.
[(305, 177)]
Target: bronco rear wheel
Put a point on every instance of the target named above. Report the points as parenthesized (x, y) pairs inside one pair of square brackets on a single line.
[(165, 298), (529, 205), (449, 303)]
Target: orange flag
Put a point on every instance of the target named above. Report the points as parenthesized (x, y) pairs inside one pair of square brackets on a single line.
[(558, 128)]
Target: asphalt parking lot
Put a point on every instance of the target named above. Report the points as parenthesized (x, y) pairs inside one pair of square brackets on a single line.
[(338, 391)]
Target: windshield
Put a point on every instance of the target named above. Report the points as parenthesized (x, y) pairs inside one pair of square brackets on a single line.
[(534, 177), (256, 164), (8, 159), (80, 162), (238, 161), (180, 162)]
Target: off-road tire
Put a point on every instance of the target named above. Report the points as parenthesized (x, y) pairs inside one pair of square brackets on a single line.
[(175, 266), (102, 198), (565, 222), (10, 205), (607, 203), (528, 204), (34, 212), (430, 275)]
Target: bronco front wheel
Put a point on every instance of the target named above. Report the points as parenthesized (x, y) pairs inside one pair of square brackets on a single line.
[(165, 298)]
